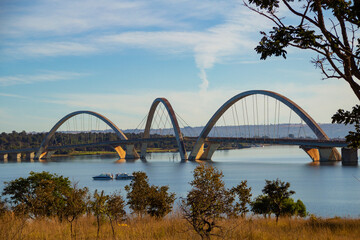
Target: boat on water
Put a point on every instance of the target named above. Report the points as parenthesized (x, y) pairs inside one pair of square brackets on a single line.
[(123, 176), (104, 176)]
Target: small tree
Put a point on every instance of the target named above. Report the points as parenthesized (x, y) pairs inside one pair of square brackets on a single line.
[(40, 194), (261, 205), (75, 205), (98, 208), (277, 192), (114, 209), (143, 198), (292, 208), (207, 202), (160, 201), (243, 192), (137, 193)]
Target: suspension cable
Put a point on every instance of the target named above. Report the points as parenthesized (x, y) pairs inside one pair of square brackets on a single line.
[(237, 119), (289, 124), (247, 117), (278, 125)]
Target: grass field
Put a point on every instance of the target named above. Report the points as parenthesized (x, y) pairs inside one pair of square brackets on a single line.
[(174, 227)]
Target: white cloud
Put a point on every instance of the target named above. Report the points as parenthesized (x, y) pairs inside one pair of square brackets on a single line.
[(48, 49), (11, 95), (44, 77), (63, 17), (91, 27)]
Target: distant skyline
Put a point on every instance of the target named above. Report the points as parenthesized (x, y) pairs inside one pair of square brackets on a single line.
[(115, 57)]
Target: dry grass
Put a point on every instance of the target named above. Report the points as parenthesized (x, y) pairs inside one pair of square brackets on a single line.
[(176, 228)]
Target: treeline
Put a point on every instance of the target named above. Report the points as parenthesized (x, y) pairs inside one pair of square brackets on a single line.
[(46, 195), (21, 140)]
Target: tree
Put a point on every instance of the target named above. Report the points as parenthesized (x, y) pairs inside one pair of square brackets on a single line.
[(347, 117), (207, 202), (276, 199), (328, 27), (98, 207), (277, 192), (40, 194), (261, 205), (114, 209), (160, 201), (75, 205), (243, 192), (143, 198), (292, 208), (137, 193)]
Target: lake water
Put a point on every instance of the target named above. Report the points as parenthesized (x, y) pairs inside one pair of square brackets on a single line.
[(326, 190)]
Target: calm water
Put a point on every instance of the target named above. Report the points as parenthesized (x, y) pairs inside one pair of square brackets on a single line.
[(326, 190)]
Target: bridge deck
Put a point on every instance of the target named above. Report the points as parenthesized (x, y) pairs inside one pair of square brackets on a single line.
[(271, 141)]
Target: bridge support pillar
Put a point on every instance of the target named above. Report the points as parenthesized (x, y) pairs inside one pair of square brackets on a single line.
[(208, 152), (199, 154), (349, 156), (45, 155), (143, 151), (322, 154), (29, 155), (120, 151), (4, 157), (131, 152)]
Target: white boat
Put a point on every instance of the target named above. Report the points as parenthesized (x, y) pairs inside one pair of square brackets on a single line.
[(123, 176), (104, 176)]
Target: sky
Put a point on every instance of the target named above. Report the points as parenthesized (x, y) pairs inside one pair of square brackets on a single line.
[(115, 57)]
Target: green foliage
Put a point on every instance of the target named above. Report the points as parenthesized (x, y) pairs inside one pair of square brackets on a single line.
[(40, 194), (98, 207), (137, 193), (76, 200), (292, 208), (278, 193), (347, 117), (115, 205), (143, 198), (261, 205), (207, 201), (114, 209), (243, 192), (160, 201), (276, 199)]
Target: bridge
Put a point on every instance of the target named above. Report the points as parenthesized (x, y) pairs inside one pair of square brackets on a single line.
[(260, 120)]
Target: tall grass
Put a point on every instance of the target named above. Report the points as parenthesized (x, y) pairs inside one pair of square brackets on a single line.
[(174, 227)]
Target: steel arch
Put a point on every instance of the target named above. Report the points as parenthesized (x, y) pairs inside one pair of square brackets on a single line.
[(178, 135), (45, 142), (292, 105)]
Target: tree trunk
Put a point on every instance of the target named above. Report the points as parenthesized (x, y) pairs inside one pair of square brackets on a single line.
[(112, 227), (98, 225), (355, 87), (71, 230)]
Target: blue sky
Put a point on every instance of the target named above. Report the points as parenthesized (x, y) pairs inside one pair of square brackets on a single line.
[(116, 57)]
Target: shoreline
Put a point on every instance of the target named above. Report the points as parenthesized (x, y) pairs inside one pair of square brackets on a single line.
[(84, 153)]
